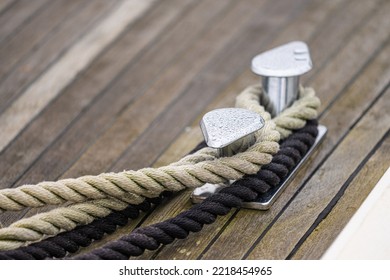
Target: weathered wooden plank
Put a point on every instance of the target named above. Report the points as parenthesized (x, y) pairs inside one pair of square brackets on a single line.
[(35, 32), (96, 81), (316, 15), (6, 4), (17, 15), (167, 211), (138, 116), (343, 26), (334, 29), (58, 76), (209, 15), (236, 89), (317, 194), (363, 44), (76, 137), (186, 87), (326, 232), (94, 117), (97, 78), (29, 68), (216, 37), (173, 109), (336, 133), (367, 88)]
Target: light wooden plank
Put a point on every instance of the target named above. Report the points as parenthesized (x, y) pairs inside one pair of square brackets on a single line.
[(194, 93), (35, 32), (72, 108), (33, 65), (334, 118), (5, 4), (353, 55), (17, 15), (326, 232), (324, 185), (366, 88), (165, 212), (154, 95), (365, 237), (227, 100), (78, 97), (76, 59)]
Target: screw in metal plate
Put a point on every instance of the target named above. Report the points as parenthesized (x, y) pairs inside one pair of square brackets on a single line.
[(230, 130), (280, 68)]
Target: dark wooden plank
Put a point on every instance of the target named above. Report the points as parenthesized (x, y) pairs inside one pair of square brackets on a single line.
[(93, 82), (59, 75), (202, 91), (353, 54), (198, 93), (6, 4), (35, 33), (327, 51), (34, 140), (311, 204), (367, 88), (31, 66), (345, 22), (266, 219), (165, 212), (161, 53), (325, 233), (143, 111), (17, 15)]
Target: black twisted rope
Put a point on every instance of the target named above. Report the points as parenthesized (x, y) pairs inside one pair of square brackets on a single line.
[(82, 236), (247, 189)]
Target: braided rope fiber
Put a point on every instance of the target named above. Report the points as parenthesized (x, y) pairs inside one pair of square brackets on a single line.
[(248, 189), (82, 236), (114, 191)]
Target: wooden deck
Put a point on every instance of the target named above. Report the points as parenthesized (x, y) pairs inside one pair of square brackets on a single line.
[(94, 86)]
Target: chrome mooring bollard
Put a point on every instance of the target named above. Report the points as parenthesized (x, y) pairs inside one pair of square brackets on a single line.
[(232, 130)]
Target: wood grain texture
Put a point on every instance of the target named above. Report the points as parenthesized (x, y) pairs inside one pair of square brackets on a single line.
[(35, 32), (311, 203), (17, 15), (243, 228), (49, 85), (337, 121), (314, 246), (105, 89), (226, 99), (31, 67), (96, 86), (268, 217)]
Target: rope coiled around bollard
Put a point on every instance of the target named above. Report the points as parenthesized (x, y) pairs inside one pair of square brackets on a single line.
[(132, 187), (247, 189)]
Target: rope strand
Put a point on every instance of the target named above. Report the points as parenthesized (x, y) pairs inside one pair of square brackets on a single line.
[(245, 190), (132, 187)]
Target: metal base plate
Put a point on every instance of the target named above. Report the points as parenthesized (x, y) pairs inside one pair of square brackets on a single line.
[(266, 200)]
